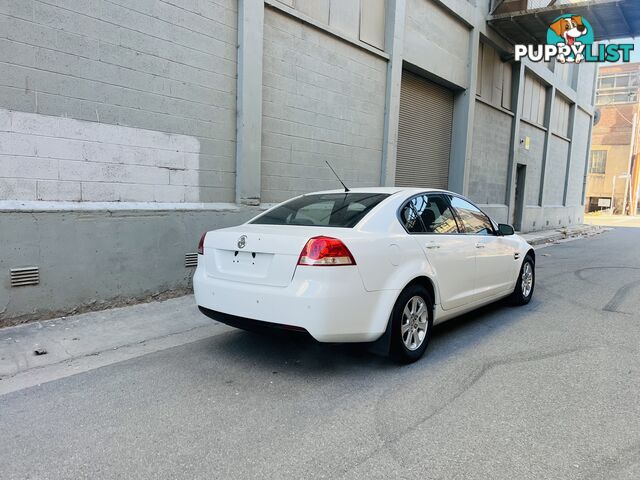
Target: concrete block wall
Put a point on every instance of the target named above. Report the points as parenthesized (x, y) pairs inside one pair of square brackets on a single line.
[(135, 101), (323, 99), (550, 218), (154, 65), (490, 159), (61, 159)]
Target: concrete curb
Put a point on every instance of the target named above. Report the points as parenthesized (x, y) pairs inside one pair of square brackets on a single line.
[(74, 344), (554, 236)]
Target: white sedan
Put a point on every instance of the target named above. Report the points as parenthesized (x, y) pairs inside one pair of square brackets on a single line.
[(362, 265)]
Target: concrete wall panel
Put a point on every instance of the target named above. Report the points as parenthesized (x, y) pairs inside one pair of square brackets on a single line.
[(73, 160), (548, 218), (586, 81), (556, 171), (372, 22), (323, 99), (163, 66), (436, 42), (97, 259), (316, 9), (345, 17), (490, 157)]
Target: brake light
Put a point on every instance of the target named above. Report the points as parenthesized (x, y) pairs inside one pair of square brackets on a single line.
[(201, 244), (325, 252)]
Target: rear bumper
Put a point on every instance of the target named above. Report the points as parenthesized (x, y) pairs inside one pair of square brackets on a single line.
[(331, 304), (249, 323)]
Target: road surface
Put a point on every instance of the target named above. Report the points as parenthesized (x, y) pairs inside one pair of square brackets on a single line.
[(550, 390)]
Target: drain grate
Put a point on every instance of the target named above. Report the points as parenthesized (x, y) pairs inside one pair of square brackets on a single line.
[(21, 277), (191, 260)]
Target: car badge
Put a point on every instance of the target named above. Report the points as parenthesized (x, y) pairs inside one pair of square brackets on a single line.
[(242, 241)]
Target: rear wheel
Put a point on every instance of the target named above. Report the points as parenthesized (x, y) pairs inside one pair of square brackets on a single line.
[(526, 282), (412, 320)]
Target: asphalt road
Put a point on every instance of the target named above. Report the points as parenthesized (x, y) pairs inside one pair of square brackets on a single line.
[(550, 390)]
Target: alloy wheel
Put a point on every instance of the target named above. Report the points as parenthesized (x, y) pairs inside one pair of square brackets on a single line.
[(414, 324), (527, 279)]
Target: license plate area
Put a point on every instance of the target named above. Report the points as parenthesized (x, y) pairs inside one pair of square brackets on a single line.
[(238, 263)]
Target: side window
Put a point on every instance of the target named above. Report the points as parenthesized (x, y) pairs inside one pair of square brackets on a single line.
[(428, 214), (437, 216), (410, 217), (473, 220)]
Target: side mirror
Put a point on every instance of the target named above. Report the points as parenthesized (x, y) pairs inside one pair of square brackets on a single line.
[(505, 229)]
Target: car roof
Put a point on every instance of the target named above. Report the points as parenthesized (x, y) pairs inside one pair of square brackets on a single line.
[(387, 190)]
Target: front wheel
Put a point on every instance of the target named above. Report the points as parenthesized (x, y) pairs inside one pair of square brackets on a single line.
[(526, 282), (412, 320)]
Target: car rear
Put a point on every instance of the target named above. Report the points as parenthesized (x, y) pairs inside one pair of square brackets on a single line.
[(292, 267)]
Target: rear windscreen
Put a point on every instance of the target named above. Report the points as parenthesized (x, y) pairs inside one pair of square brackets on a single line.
[(323, 210)]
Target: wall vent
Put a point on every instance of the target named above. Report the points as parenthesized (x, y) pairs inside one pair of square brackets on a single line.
[(191, 260), (21, 277)]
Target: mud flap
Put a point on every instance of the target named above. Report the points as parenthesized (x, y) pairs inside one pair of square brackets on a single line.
[(383, 344)]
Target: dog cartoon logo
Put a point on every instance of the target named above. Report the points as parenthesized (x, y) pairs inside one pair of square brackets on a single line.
[(571, 34)]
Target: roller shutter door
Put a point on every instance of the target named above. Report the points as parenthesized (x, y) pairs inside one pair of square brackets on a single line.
[(424, 133)]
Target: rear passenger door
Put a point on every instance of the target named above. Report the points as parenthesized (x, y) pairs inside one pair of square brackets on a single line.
[(430, 220)]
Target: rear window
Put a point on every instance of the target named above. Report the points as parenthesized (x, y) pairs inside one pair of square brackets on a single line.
[(323, 210)]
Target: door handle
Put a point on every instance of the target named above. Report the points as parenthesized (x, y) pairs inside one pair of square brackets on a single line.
[(432, 245), (480, 245)]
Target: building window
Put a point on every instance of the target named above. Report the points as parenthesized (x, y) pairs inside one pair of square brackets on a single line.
[(611, 98), (598, 161), (621, 80), (620, 88), (607, 82)]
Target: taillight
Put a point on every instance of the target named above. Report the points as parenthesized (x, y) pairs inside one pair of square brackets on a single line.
[(201, 244), (325, 252)]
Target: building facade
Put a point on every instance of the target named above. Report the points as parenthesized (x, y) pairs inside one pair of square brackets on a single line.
[(613, 170), (129, 127)]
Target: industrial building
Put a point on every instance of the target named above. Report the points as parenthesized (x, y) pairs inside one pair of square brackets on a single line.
[(129, 127)]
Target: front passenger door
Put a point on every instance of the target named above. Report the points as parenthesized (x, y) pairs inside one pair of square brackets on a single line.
[(495, 260), (430, 220)]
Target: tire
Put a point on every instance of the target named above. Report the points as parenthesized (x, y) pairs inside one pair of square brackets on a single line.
[(410, 334), (526, 282)]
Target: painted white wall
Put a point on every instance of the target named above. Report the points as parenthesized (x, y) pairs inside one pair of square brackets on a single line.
[(167, 66), (53, 158)]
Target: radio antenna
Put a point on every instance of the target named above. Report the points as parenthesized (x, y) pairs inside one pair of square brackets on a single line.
[(334, 172)]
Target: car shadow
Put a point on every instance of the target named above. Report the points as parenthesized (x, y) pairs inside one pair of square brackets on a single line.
[(292, 353), (300, 355)]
